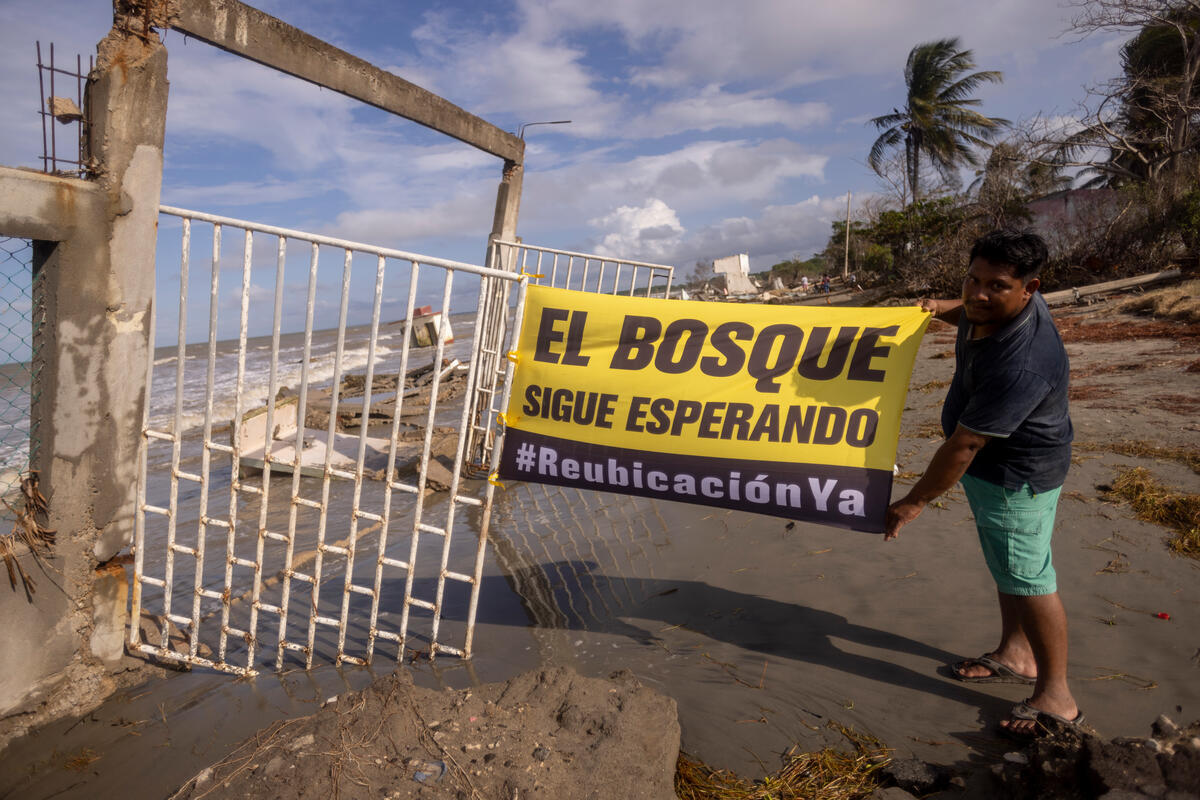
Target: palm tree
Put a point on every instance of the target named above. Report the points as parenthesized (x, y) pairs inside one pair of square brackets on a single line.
[(937, 120)]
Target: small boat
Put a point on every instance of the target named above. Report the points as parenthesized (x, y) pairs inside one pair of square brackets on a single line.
[(317, 447), (428, 326)]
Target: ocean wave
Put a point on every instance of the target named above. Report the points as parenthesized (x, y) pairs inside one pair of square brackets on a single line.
[(256, 383)]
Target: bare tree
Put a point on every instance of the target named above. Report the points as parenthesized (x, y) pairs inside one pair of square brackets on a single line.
[(1143, 123), (1010, 178), (891, 169)]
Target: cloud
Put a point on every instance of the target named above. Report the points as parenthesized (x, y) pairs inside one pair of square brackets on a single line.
[(696, 179), (522, 77), (713, 107), (243, 193), (466, 213), (789, 44), (654, 232), (649, 232), (775, 234), (220, 99)]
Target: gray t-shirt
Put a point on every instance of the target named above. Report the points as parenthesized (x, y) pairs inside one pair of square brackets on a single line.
[(1012, 387)]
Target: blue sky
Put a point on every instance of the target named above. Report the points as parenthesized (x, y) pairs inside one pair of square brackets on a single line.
[(700, 128)]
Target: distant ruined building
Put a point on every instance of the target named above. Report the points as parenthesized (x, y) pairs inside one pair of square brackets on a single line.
[(736, 270)]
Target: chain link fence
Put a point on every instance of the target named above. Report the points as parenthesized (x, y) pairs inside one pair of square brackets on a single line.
[(18, 377)]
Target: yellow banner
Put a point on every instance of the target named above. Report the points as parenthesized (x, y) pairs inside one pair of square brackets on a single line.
[(720, 381)]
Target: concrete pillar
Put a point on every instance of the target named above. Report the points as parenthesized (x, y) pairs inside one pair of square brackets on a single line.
[(504, 226), (110, 308), (94, 254), (508, 203)]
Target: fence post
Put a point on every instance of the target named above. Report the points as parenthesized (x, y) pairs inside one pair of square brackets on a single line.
[(504, 227)]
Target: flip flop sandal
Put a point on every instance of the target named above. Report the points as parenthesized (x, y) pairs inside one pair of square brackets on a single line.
[(1001, 673), (1023, 710)]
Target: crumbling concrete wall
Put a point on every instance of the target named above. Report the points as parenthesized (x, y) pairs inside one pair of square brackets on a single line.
[(736, 270), (94, 245), (65, 219)]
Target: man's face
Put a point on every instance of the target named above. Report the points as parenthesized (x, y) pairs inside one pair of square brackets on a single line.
[(993, 294)]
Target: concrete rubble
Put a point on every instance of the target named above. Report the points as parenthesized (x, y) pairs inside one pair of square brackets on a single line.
[(352, 414)]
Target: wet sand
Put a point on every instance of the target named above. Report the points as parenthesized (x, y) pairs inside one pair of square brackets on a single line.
[(761, 631)]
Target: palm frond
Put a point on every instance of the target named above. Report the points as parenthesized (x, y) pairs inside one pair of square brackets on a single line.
[(888, 140), (889, 120), (960, 89)]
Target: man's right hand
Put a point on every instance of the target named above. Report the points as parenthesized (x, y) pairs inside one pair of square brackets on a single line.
[(945, 310)]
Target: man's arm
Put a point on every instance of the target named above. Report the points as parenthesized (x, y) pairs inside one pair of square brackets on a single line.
[(945, 310), (945, 468)]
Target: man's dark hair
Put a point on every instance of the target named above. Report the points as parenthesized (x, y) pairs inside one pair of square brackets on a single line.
[(1024, 251)]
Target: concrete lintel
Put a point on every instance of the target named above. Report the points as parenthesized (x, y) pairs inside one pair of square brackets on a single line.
[(51, 208), (248, 32)]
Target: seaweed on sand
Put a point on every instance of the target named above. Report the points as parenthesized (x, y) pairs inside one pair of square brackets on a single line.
[(1189, 456), (1153, 502), (829, 774), (1181, 303)]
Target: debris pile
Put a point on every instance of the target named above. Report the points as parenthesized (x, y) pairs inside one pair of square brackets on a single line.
[(1072, 764), (414, 399), (545, 733), (359, 415)]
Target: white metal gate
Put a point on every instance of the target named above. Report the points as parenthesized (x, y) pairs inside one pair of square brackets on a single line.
[(544, 266), (355, 528)]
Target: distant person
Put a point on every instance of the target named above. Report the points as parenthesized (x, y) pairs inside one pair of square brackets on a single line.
[(825, 284), (1008, 439), (804, 284)]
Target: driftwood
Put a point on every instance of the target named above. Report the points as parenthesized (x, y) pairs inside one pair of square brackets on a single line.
[(1073, 295), (414, 405)]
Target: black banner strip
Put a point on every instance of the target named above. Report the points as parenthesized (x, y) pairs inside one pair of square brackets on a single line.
[(845, 497)]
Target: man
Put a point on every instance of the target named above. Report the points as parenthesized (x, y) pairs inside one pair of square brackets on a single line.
[(1008, 439)]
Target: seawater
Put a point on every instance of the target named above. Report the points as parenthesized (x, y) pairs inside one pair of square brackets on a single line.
[(14, 424), (195, 507), (256, 380), (256, 374), (185, 413)]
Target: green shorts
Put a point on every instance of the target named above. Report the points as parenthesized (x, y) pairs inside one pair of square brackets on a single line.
[(1014, 530)]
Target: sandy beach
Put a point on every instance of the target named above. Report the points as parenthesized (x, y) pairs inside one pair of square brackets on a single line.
[(761, 630)]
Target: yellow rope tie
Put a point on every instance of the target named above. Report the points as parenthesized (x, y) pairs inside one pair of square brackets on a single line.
[(494, 480), (513, 356), (502, 418), (525, 274)]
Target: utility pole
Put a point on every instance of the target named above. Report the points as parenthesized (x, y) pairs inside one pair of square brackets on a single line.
[(846, 263)]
